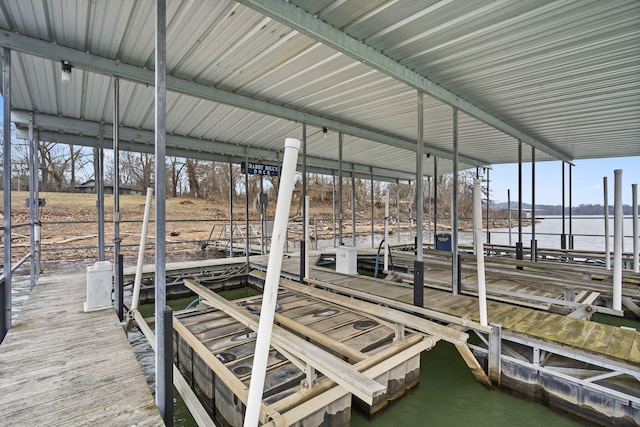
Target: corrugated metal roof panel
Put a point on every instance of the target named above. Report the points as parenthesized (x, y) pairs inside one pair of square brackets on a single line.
[(566, 73)]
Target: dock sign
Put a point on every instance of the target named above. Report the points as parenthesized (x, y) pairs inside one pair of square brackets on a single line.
[(260, 169)]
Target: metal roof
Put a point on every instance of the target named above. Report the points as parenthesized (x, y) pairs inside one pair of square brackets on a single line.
[(562, 76)]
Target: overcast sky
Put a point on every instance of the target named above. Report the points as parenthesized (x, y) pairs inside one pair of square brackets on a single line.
[(586, 176)]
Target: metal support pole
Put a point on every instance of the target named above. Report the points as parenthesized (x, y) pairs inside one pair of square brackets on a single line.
[(607, 250), (231, 190), (435, 202), (488, 205), (418, 265), (398, 207), (36, 196), (167, 316), (164, 331), (509, 213), (495, 351), (429, 231), (373, 242), (455, 259), (636, 238), (570, 206), (353, 210), (340, 197), (386, 231), (333, 208), (618, 236), (304, 243), (247, 236), (563, 237), (99, 174), (119, 289), (5, 293), (116, 183), (412, 199), (519, 251), (307, 245), (263, 228), (33, 203), (534, 246)]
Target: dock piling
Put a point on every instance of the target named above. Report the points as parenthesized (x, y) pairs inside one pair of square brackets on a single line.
[(495, 350)]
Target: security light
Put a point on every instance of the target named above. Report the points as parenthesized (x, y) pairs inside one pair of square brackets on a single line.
[(65, 76)]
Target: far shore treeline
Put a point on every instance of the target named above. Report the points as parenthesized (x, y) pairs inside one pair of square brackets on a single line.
[(583, 209)]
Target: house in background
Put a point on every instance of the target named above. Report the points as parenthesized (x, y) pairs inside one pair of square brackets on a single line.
[(90, 187)]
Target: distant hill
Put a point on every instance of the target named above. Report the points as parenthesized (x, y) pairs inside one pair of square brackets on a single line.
[(557, 209)]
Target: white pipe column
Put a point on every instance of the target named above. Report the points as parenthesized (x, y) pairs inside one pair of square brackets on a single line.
[(272, 280), (636, 238), (477, 232), (143, 242), (386, 231), (617, 240), (607, 249)]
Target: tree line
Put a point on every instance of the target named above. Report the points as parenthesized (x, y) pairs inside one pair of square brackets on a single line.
[(63, 167)]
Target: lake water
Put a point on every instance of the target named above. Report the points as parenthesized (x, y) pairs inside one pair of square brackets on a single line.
[(588, 232)]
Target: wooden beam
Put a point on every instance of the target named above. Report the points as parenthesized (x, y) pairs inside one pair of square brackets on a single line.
[(395, 304), (321, 338), (396, 316), (338, 370), (474, 365), (200, 415), (627, 302)]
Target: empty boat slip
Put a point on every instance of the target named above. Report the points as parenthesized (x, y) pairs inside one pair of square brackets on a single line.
[(321, 355)]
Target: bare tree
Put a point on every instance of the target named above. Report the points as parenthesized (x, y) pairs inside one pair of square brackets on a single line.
[(176, 166)]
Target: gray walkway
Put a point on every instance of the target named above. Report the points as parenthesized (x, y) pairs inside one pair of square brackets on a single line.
[(62, 366)]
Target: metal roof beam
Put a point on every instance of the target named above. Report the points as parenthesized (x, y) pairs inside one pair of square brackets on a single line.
[(85, 133), (87, 141), (296, 18), (107, 66)]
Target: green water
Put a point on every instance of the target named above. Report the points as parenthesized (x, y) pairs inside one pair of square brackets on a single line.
[(448, 394)]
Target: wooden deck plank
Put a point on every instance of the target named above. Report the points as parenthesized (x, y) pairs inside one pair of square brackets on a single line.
[(621, 343), (634, 356), (60, 365), (599, 338), (580, 333)]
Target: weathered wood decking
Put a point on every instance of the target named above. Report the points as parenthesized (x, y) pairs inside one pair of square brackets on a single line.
[(582, 334), (62, 366)]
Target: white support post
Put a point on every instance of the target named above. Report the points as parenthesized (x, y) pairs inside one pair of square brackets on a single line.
[(636, 237), (617, 240), (143, 242), (607, 250), (477, 232), (272, 280), (386, 231)]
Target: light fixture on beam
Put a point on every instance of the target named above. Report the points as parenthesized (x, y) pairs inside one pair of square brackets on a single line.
[(324, 132), (65, 76)]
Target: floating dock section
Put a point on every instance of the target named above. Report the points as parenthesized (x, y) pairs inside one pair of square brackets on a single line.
[(321, 355)]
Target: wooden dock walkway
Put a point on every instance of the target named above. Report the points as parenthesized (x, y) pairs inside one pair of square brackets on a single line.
[(62, 366)]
